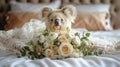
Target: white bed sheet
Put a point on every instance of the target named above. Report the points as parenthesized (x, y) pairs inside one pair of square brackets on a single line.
[(9, 60)]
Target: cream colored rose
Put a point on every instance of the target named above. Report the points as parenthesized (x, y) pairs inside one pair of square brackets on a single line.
[(65, 49), (49, 53), (62, 38), (54, 48)]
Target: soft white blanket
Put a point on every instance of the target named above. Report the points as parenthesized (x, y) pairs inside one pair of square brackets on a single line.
[(29, 31), (9, 60)]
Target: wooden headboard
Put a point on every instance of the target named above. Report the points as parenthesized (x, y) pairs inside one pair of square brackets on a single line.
[(114, 10)]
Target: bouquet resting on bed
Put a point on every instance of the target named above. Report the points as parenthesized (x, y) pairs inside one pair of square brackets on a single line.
[(59, 46)]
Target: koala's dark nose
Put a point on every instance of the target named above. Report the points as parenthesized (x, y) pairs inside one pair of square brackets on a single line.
[(56, 22)]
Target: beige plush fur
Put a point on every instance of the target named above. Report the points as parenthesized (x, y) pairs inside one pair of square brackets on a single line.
[(59, 19)]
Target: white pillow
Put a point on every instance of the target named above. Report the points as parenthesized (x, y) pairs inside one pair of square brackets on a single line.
[(93, 8), (29, 7)]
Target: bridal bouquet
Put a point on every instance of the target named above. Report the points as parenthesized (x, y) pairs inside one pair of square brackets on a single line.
[(59, 46)]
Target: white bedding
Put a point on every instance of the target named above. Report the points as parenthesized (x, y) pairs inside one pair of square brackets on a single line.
[(9, 59)]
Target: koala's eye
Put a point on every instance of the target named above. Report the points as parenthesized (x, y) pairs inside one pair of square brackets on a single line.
[(61, 19), (51, 19)]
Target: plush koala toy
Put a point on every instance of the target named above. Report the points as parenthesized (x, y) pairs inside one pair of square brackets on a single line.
[(59, 19)]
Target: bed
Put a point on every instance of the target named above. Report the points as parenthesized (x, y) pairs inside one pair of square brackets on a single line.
[(98, 35)]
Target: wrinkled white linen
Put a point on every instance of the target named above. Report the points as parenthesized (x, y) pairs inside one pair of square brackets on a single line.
[(32, 29), (10, 60), (106, 37)]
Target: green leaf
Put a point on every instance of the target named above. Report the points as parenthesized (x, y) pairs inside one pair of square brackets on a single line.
[(87, 34), (26, 48), (100, 52), (57, 43), (83, 42), (76, 34), (84, 38), (23, 52), (30, 43)]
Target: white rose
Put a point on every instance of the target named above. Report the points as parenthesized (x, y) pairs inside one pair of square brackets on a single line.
[(49, 41), (49, 53), (53, 35), (71, 35), (41, 38), (77, 41), (65, 49), (46, 44)]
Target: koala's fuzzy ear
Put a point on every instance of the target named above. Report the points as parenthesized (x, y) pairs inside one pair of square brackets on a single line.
[(46, 11), (69, 10)]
